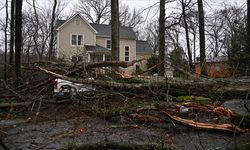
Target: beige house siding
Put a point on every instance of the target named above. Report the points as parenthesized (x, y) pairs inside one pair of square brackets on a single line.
[(75, 26), (102, 41)]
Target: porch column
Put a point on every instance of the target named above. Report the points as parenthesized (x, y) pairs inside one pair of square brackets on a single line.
[(88, 59), (103, 57)]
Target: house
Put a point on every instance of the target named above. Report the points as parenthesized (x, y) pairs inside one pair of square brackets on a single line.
[(78, 40), (143, 50), (216, 67)]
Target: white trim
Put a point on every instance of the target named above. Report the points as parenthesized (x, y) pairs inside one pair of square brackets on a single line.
[(103, 57), (57, 45), (77, 34), (68, 20), (107, 44), (125, 53)]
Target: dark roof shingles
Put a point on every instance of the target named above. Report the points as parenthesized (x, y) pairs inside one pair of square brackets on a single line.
[(96, 48), (105, 30), (143, 47)]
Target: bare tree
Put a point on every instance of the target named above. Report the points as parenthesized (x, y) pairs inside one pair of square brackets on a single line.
[(216, 34), (12, 37), (151, 32), (98, 11), (161, 57), (202, 39), (18, 37), (131, 19), (193, 21), (95, 11), (115, 30), (248, 36), (5, 42), (183, 4), (37, 30), (52, 30)]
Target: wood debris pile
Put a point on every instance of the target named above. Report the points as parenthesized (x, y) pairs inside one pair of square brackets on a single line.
[(39, 77)]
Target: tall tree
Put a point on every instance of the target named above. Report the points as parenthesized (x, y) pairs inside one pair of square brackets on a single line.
[(248, 36), (183, 4), (161, 57), (12, 37), (115, 30), (95, 11), (202, 39), (51, 42), (18, 37), (5, 42)]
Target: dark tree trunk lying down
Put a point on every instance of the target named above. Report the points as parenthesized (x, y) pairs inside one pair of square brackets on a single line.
[(208, 88)]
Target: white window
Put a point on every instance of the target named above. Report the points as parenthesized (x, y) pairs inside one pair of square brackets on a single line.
[(76, 58), (73, 39), (108, 44), (126, 53), (76, 40), (80, 40)]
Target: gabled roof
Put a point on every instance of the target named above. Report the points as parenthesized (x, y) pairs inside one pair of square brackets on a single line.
[(105, 31), (143, 47), (61, 23)]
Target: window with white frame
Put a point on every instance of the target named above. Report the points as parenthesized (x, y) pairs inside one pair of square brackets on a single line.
[(76, 40), (108, 44), (126, 53)]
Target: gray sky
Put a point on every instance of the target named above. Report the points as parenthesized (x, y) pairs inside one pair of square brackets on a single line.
[(139, 4)]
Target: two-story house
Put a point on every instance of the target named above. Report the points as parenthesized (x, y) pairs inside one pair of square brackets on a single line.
[(78, 40)]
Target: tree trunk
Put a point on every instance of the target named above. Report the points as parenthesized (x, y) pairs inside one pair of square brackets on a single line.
[(5, 42), (161, 57), (187, 35), (51, 43), (18, 38), (248, 37), (12, 37), (194, 35), (115, 30), (202, 39)]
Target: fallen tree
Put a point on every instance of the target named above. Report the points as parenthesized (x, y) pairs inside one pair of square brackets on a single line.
[(206, 88)]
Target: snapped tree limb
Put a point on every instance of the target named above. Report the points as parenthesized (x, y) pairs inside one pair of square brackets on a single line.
[(122, 64), (208, 126)]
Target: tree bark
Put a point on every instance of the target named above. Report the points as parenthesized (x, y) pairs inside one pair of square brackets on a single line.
[(5, 42), (194, 35), (248, 37), (187, 35), (161, 57), (51, 43), (12, 38), (202, 39), (18, 38), (115, 30)]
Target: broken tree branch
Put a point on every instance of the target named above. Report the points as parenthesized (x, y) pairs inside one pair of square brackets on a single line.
[(208, 126), (122, 64)]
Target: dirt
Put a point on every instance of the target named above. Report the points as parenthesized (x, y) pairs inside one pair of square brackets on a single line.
[(58, 126)]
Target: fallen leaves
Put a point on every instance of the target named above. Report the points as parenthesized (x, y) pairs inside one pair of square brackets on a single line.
[(225, 112)]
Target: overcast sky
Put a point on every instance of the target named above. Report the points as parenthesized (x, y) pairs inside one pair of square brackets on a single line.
[(140, 4)]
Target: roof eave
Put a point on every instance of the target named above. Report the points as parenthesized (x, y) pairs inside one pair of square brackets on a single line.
[(58, 28)]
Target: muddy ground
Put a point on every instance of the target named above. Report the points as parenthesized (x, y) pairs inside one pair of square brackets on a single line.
[(63, 125)]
